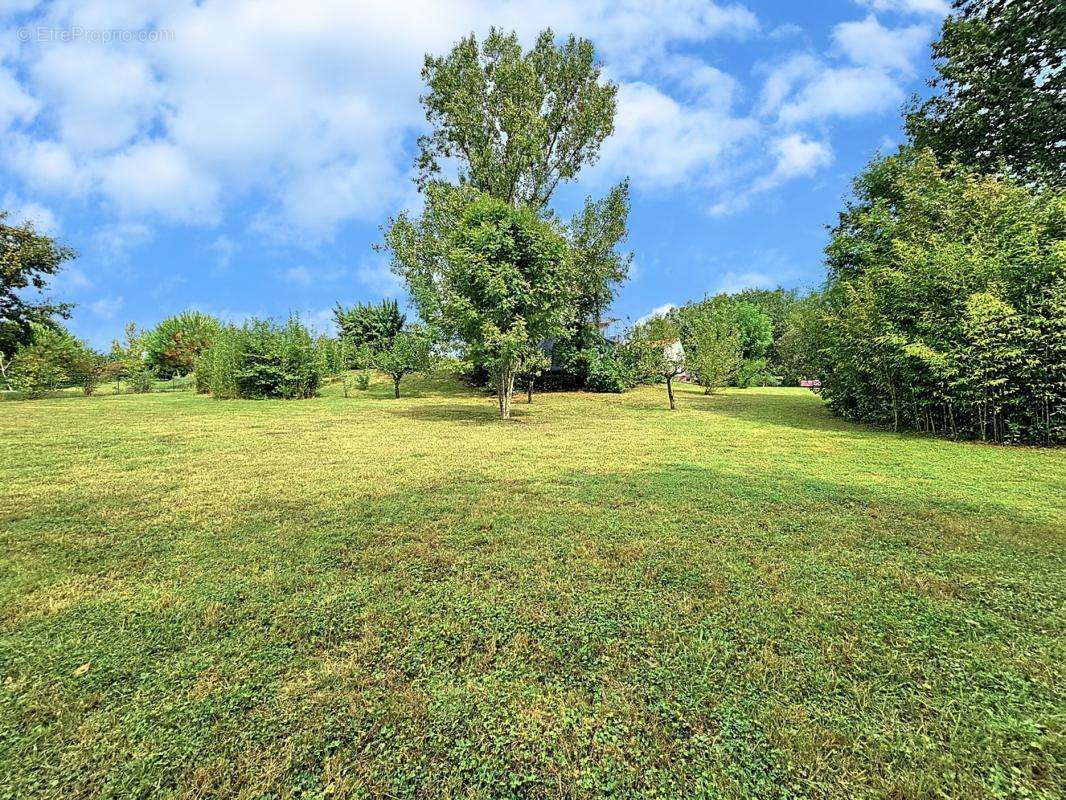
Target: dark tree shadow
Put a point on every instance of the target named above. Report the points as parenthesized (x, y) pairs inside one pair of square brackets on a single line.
[(461, 413)]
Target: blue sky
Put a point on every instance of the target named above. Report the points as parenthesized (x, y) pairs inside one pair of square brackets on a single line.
[(240, 157)]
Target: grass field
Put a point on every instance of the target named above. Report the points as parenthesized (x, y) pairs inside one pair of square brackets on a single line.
[(406, 598)]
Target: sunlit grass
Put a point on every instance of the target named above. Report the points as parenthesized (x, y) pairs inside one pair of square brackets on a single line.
[(408, 598)]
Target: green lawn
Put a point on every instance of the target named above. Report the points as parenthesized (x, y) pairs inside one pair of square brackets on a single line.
[(372, 597)]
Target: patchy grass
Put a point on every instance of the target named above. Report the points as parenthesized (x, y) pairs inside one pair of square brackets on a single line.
[(380, 598)]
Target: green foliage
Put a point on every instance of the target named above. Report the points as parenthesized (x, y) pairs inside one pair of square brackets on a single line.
[(610, 372), (727, 337), (1001, 103), (519, 124), (712, 343), (369, 325), (172, 347), (260, 359), (943, 308), (599, 268), (128, 361), (495, 277), (27, 260), (51, 359), (409, 351)]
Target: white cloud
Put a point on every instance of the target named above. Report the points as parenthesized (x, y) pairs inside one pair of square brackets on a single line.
[(15, 103), (41, 217), (869, 43), (843, 92), (731, 282), (106, 307), (115, 241), (305, 107), (102, 113), (224, 249), (932, 7), (794, 156), (660, 142), (158, 178), (374, 273), (301, 275), (655, 313)]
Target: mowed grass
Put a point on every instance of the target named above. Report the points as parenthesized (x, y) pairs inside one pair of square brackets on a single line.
[(371, 597)]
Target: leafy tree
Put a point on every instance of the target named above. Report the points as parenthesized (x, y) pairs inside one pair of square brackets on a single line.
[(495, 277), (409, 351), (172, 347), (129, 361), (27, 260), (776, 304), (595, 234), (54, 358), (1002, 89), (370, 325), (658, 351), (712, 346), (517, 123)]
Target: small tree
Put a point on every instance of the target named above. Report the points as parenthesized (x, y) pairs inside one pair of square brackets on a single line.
[(712, 343), (52, 359), (659, 353), (494, 276), (27, 261), (409, 351), (130, 360)]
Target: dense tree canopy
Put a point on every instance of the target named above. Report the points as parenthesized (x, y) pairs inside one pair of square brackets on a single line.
[(1001, 81), (944, 306), (27, 260), (518, 124)]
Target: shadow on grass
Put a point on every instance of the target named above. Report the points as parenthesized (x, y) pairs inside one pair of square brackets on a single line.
[(462, 413)]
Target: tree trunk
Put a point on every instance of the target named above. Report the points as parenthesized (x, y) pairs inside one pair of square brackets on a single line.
[(670, 392), (396, 386), (529, 391), (504, 391)]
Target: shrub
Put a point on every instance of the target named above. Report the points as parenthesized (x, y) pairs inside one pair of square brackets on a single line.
[(609, 373), (51, 359), (141, 380), (172, 347), (261, 359), (179, 383)]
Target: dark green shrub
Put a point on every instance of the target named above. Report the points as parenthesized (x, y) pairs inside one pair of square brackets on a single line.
[(141, 380), (261, 359), (609, 373)]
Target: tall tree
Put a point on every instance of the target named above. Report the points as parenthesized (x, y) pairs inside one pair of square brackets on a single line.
[(1001, 82), (518, 123), (27, 260), (172, 346), (595, 235)]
